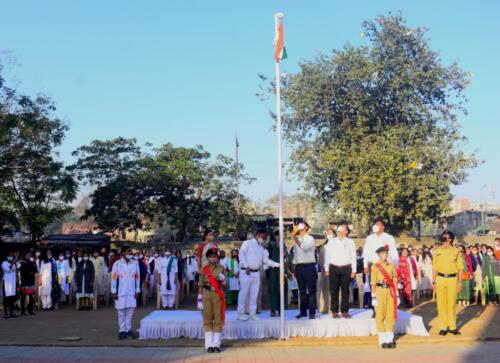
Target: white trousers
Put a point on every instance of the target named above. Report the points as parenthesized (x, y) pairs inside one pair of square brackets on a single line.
[(249, 290), (46, 301), (168, 301), (125, 319)]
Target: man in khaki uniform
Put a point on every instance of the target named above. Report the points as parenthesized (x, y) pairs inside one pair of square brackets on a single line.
[(384, 297), (446, 277), (211, 299)]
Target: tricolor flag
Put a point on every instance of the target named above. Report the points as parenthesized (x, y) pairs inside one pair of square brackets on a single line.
[(279, 48)]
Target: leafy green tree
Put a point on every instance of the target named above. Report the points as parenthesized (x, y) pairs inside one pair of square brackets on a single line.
[(35, 188), (375, 126)]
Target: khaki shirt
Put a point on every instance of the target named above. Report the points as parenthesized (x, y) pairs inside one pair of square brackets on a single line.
[(446, 260), (216, 270), (377, 277)]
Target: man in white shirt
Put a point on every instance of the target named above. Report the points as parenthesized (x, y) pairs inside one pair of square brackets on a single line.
[(253, 257), (376, 240), (340, 266), (305, 270)]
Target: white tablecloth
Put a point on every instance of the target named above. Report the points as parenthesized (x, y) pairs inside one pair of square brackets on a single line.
[(188, 324)]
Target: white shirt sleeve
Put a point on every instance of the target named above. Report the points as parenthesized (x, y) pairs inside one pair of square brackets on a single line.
[(366, 252), (243, 254), (326, 262), (393, 252), (268, 262), (352, 252)]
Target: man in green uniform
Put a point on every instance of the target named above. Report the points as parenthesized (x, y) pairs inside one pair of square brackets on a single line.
[(211, 299), (446, 277)]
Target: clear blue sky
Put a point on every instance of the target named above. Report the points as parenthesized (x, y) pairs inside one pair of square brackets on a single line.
[(186, 71)]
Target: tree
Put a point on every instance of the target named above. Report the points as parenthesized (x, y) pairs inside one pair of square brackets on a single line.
[(35, 188), (111, 167), (375, 127), (176, 186)]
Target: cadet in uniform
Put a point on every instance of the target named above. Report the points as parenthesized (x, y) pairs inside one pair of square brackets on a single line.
[(211, 299), (446, 277), (384, 297)]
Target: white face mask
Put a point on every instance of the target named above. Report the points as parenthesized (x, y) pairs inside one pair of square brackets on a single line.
[(329, 236), (375, 229), (37, 254), (128, 257), (490, 253), (86, 258), (61, 258), (155, 255), (141, 256), (168, 254)]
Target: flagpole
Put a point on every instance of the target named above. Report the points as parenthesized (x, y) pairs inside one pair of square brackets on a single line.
[(237, 188), (280, 193)]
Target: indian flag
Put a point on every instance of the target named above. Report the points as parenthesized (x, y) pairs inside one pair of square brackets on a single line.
[(279, 48)]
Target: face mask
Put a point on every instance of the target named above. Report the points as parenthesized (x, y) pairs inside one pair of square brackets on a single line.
[(61, 258), (86, 258), (490, 253), (32, 259), (141, 256), (111, 254), (329, 236), (155, 255), (188, 255), (79, 259), (375, 229), (128, 257), (37, 254), (168, 254), (68, 255), (260, 240), (10, 258)]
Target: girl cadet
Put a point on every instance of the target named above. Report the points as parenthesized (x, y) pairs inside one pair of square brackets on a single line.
[(384, 297), (125, 288), (211, 299)]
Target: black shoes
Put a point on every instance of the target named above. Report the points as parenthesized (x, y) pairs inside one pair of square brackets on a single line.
[(213, 350), (443, 332), (391, 345), (454, 332), (385, 345), (130, 335), (122, 335), (216, 350), (300, 316), (312, 316)]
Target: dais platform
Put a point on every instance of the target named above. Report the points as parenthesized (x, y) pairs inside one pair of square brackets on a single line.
[(188, 324)]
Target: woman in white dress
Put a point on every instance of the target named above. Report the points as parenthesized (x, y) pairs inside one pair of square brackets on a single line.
[(425, 264), (46, 270)]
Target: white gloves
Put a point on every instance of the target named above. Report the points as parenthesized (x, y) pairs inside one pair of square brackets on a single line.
[(374, 300), (200, 303), (398, 301), (222, 277)]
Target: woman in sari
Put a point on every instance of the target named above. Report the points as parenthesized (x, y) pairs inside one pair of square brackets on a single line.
[(406, 278)]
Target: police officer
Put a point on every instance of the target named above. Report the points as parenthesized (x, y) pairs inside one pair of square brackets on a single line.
[(446, 277), (211, 299)]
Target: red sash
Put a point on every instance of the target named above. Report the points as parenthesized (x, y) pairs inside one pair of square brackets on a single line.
[(392, 288), (215, 284)]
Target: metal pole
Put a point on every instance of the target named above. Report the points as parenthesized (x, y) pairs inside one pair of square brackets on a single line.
[(237, 189), (482, 208), (280, 195)]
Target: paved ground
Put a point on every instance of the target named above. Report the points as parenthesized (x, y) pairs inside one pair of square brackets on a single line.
[(99, 328), (455, 353)]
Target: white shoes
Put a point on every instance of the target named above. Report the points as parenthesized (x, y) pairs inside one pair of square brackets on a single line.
[(242, 317), (254, 317)]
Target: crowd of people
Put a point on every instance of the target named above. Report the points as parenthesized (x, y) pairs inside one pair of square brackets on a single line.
[(325, 278)]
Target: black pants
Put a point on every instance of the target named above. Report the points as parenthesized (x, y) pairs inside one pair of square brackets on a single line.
[(307, 277), (8, 303), (31, 300), (340, 278)]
